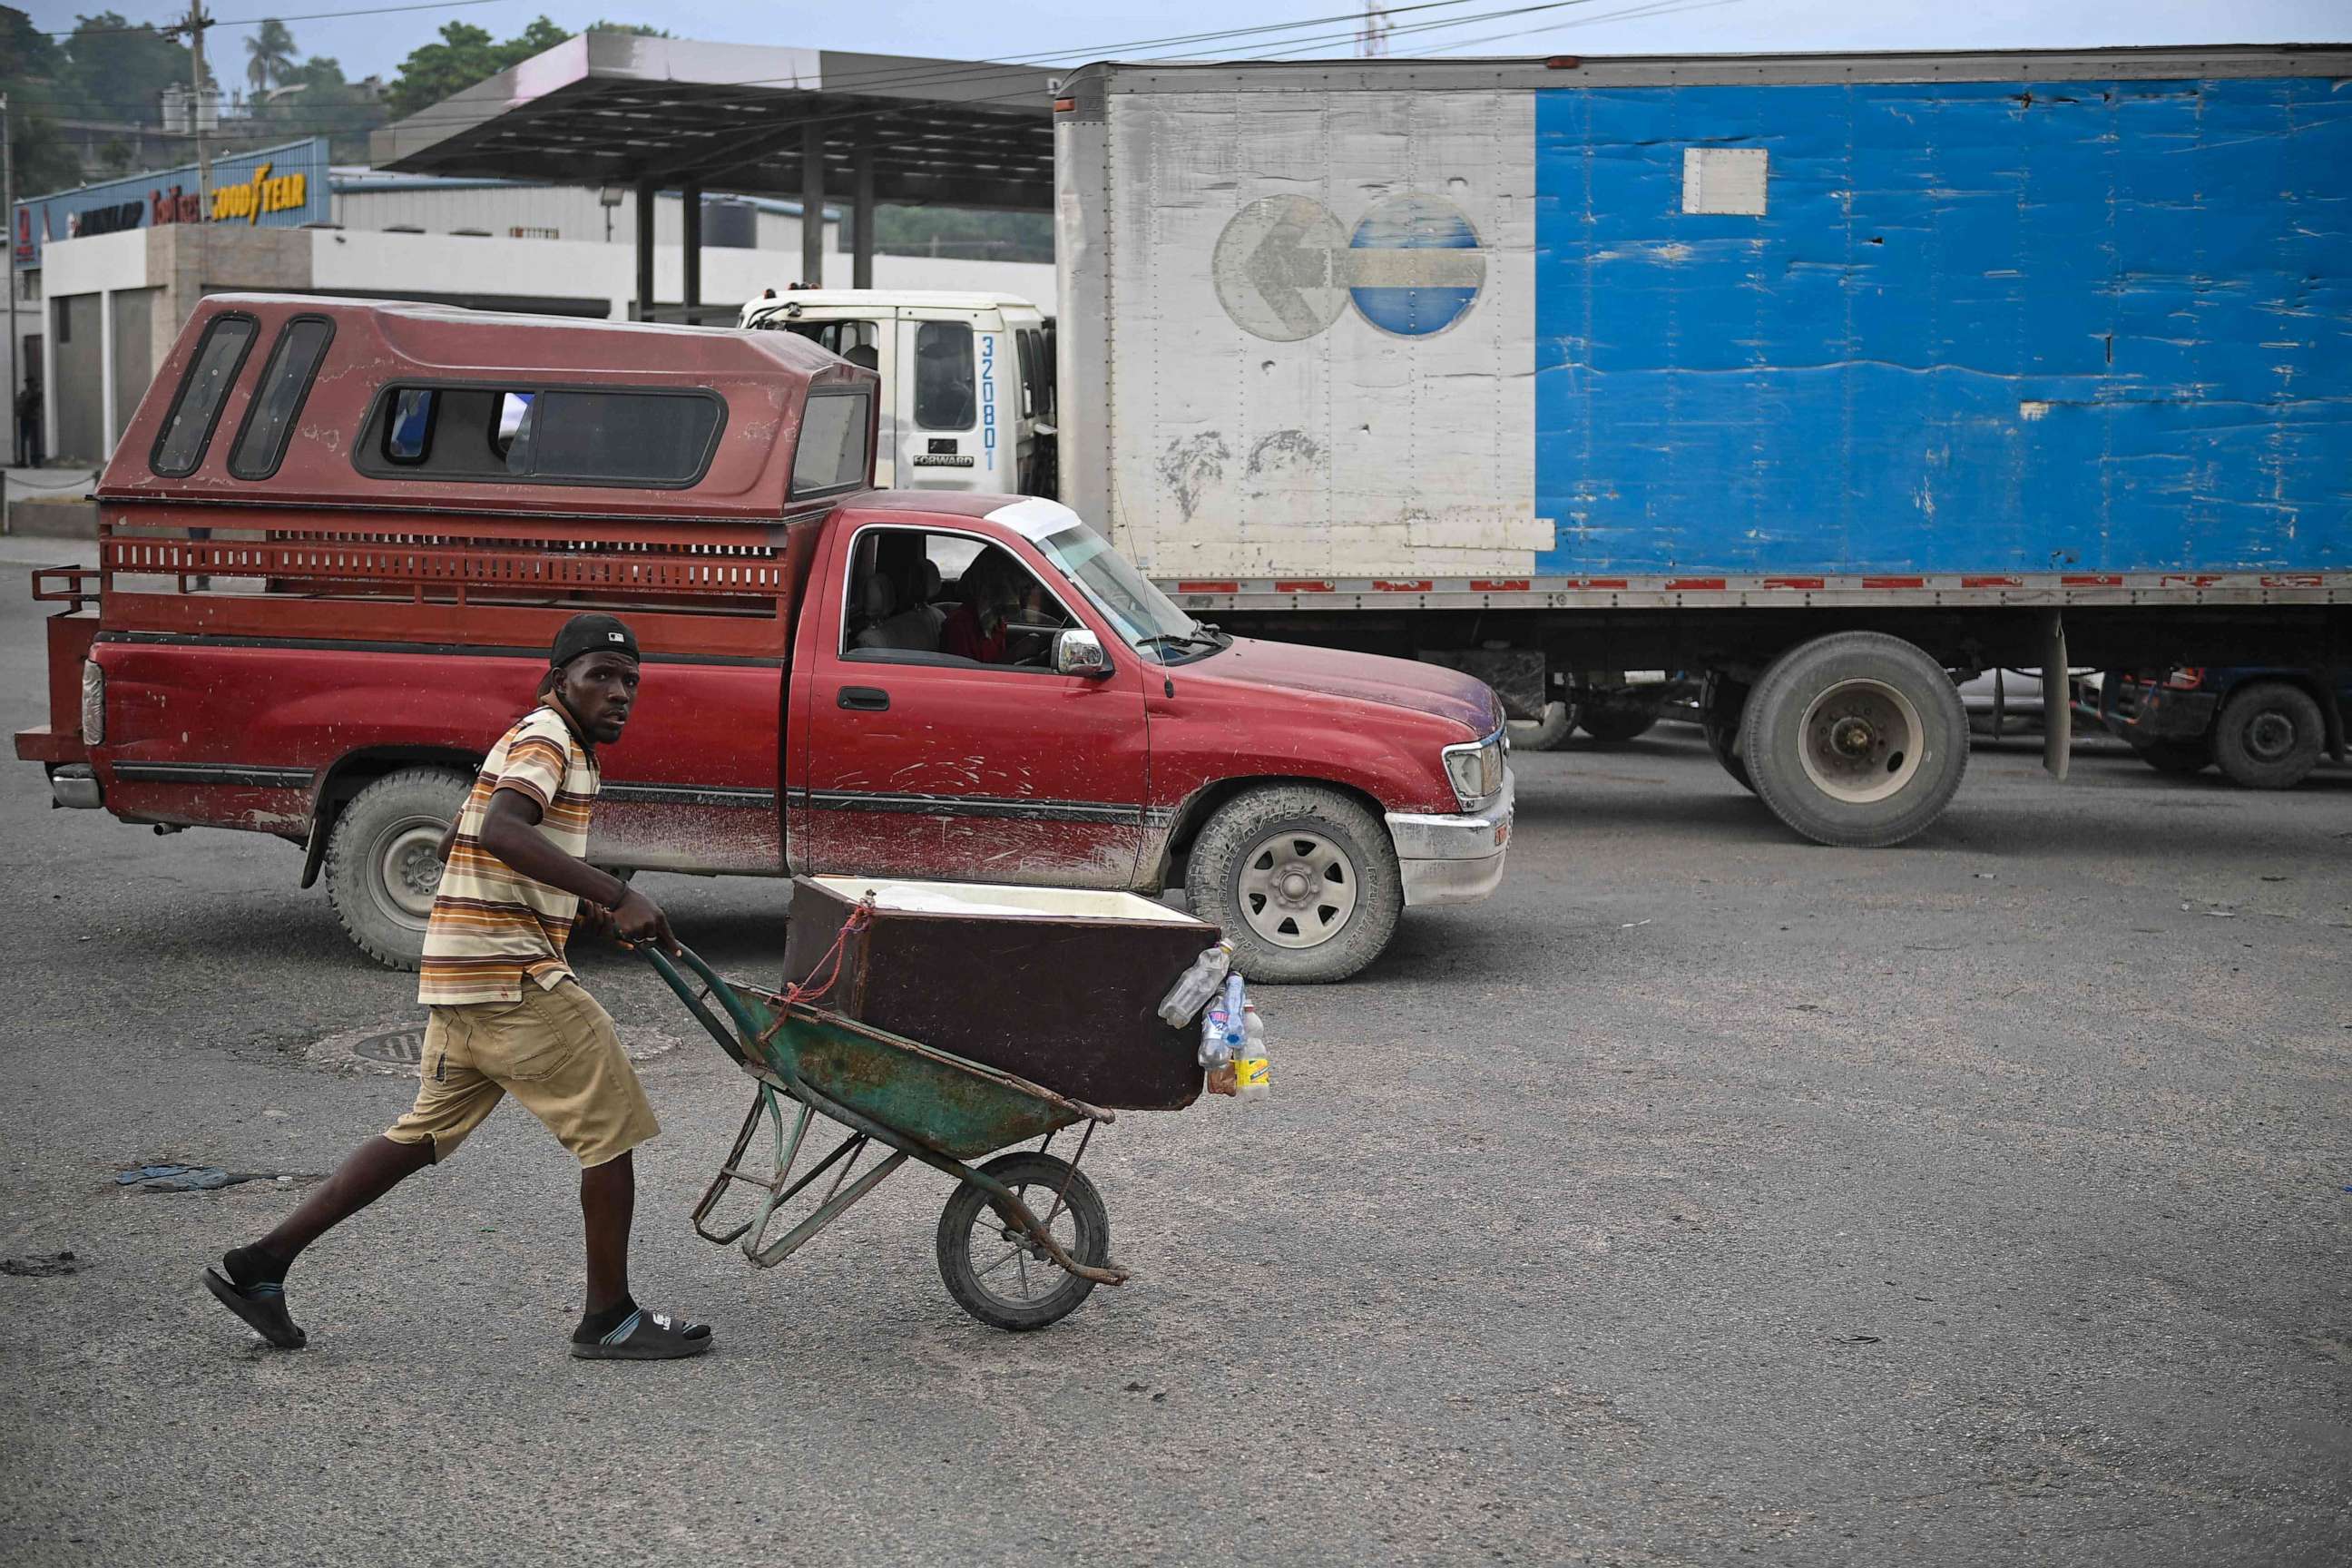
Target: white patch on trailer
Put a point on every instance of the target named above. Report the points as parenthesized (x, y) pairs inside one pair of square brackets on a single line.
[(1727, 180), (1354, 448)]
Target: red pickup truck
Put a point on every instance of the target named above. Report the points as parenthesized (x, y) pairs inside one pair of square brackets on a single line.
[(336, 536)]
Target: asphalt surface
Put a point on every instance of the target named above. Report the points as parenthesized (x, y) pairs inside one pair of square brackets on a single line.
[(1707, 1197)]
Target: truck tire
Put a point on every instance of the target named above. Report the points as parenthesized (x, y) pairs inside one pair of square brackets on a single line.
[(1613, 723), (1722, 740), (2269, 736), (1303, 880), (380, 872), (1856, 740), (2182, 757), (1546, 734)]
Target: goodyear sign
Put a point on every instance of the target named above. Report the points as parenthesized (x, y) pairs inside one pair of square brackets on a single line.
[(275, 187)]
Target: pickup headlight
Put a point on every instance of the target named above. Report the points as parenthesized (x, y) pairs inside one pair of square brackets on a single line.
[(1475, 770), (93, 703)]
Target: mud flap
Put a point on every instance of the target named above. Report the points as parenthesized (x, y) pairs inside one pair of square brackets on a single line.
[(2058, 714)]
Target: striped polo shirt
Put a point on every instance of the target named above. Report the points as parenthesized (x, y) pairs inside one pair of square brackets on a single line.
[(492, 926)]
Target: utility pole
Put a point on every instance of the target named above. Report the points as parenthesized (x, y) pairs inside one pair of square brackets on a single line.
[(197, 24), (16, 344), (1372, 37)]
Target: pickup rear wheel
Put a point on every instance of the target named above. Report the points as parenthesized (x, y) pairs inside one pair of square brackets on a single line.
[(380, 868), (2269, 735), (2175, 757), (1856, 740), (1303, 880)]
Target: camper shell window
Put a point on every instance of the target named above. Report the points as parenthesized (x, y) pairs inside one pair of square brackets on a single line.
[(836, 451), (196, 405), (624, 438), (285, 384)]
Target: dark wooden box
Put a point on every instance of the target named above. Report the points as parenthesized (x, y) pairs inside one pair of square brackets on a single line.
[(1066, 996)]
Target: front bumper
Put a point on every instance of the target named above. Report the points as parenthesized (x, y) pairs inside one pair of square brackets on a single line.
[(1453, 858)]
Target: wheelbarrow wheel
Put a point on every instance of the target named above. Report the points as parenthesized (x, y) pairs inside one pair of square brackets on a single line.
[(997, 1271)]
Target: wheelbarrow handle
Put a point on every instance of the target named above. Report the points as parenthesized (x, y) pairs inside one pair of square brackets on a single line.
[(745, 1033)]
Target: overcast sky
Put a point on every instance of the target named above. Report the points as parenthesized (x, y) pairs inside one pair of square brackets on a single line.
[(1071, 32)]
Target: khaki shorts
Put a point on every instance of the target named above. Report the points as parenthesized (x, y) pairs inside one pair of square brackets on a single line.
[(556, 1051)]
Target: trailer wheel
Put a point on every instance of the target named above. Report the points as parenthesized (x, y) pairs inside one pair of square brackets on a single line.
[(1546, 734), (1856, 740), (2269, 735), (1303, 880), (2182, 757), (995, 1270), (381, 871), (1611, 722)]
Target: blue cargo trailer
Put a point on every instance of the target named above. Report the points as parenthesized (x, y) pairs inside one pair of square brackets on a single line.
[(1826, 376)]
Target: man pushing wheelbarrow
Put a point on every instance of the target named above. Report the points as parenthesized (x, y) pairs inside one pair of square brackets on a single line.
[(507, 1015)]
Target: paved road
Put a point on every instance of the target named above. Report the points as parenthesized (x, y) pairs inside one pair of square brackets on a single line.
[(1707, 1198)]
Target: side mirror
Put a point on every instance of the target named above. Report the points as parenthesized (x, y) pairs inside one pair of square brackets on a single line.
[(1079, 651)]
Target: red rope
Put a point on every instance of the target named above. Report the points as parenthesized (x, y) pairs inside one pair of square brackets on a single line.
[(809, 991)]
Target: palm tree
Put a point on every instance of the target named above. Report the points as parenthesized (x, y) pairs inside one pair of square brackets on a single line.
[(269, 54)]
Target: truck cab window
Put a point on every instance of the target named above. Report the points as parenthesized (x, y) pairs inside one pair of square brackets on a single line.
[(950, 595), (188, 428), (945, 397), (859, 343)]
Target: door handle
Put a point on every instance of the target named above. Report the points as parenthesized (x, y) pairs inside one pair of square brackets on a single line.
[(865, 699)]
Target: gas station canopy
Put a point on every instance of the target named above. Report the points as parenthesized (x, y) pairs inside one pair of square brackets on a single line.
[(615, 109)]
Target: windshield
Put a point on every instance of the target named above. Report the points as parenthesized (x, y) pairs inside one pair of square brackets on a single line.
[(1141, 612)]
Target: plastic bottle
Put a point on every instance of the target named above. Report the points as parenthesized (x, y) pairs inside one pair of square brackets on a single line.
[(1253, 1068), (1196, 985), (1236, 1003), (1214, 1052)]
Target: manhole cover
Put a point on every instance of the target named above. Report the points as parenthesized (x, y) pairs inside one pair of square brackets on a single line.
[(399, 1047)]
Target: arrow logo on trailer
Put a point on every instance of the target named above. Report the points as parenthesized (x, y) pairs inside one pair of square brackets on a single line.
[(1285, 269)]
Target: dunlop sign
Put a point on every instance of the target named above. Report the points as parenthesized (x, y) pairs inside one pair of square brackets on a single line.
[(260, 195)]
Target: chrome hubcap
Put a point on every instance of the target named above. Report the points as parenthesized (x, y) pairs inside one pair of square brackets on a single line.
[(1297, 888), (1861, 742)]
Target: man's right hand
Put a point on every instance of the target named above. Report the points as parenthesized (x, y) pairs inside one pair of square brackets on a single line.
[(638, 918)]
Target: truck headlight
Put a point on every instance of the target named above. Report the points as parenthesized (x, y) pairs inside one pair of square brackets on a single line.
[(1475, 770), (93, 703)]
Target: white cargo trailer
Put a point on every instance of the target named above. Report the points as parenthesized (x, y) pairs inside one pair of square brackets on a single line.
[(1819, 377)]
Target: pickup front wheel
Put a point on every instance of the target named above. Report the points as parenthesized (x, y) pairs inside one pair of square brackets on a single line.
[(1303, 880), (380, 868)]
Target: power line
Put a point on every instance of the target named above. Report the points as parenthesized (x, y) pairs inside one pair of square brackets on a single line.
[(170, 29)]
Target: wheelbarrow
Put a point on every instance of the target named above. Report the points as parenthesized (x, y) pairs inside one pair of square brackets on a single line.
[(1023, 1238)]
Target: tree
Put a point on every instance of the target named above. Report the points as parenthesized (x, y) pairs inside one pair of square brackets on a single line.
[(31, 68), (118, 71), (467, 54), (269, 54)]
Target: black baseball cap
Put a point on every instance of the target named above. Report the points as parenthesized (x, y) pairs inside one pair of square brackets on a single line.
[(592, 634)]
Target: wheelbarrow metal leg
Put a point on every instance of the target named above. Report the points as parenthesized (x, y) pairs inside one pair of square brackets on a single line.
[(832, 1210), (732, 1170)]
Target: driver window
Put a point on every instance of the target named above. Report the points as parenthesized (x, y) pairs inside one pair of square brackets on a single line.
[(951, 595)]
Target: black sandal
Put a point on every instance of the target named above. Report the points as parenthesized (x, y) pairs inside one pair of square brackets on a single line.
[(646, 1336), (262, 1306)]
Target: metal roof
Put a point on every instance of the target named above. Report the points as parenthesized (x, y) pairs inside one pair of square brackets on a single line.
[(615, 109)]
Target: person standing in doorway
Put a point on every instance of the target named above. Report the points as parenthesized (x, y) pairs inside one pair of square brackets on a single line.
[(506, 1015), (29, 420)]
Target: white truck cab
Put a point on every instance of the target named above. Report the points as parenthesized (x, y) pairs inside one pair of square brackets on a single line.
[(967, 381)]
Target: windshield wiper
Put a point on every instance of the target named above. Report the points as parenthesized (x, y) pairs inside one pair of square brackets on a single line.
[(1181, 639)]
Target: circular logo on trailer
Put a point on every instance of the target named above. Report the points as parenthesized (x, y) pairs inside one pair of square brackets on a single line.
[(1273, 268), (1284, 268), (1414, 265)]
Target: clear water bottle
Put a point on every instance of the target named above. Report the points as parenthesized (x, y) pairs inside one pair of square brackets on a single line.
[(1196, 985), (1253, 1068), (1235, 1001), (1214, 1051)]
